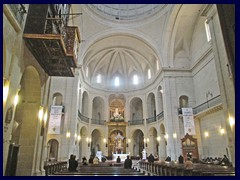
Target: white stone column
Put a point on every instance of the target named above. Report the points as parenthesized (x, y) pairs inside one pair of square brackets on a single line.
[(226, 83)]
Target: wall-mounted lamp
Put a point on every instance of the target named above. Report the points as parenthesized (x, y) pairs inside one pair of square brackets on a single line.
[(166, 136), (129, 140), (206, 134), (5, 89), (231, 121), (105, 142), (41, 117), (89, 140), (158, 138), (68, 135), (146, 140), (221, 130), (174, 135)]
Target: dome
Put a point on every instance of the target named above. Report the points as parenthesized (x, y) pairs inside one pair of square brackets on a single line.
[(126, 12), (121, 57)]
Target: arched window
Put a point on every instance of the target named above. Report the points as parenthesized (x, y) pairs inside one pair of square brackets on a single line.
[(99, 78), (116, 81), (207, 28), (135, 79), (149, 74)]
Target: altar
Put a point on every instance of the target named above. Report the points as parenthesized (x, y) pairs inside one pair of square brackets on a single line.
[(122, 157)]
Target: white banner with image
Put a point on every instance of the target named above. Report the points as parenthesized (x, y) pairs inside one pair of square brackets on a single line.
[(188, 121), (55, 120)]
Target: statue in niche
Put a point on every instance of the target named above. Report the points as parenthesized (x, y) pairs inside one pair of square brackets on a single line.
[(117, 115), (119, 143)]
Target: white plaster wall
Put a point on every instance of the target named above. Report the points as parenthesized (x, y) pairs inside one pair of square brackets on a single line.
[(215, 145), (206, 80)]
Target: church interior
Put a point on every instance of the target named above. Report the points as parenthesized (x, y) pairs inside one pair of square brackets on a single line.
[(118, 80)]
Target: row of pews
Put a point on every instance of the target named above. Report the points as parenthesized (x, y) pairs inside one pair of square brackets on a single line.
[(54, 167), (174, 169), (101, 169)]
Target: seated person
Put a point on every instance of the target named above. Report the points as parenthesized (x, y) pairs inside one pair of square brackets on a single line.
[(73, 164), (151, 158), (188, 164), (225, 161), (84, 160), (128, 163), (168, 159), (90, 161), (95, 160), (180, 159), (118, 159), (216, 161)]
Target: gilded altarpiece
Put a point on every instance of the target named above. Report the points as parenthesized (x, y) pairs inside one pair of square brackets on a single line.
[(116, 138)]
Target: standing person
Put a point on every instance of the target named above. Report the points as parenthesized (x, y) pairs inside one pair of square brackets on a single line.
[(128, 163), (73, 164), (118, 159)]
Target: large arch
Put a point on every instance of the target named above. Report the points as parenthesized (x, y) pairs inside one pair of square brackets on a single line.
[(85, 103), (82, 143), (26, 132), (162, 143), (137, 143), (136, 109), (98, 108), (153, 144)]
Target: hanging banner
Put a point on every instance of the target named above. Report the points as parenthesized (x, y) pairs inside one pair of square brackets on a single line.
[(55, 120), (188, 121)]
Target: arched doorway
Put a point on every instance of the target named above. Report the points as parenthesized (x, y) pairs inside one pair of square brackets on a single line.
[(52, 150)]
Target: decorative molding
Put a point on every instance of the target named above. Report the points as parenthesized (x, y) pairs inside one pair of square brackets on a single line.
[(209, 111)]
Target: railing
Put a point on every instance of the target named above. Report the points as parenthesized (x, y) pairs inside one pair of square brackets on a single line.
[(161, 168), (83, 118), (210, 103), (151, 119), (160, 115), (98, 121), (18, 10), (51, 168), (136, 122)]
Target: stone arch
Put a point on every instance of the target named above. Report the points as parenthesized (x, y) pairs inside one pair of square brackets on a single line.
[(57, 99), (85, 103), (137, 142), (160, 99), (162, 143), (136, 109), (98, 108), (151, 105), (82, 143), (153, 144), (26, 118)]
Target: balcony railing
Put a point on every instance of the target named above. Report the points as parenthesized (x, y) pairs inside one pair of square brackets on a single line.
[(151, 119), (136, 122), (160, 115), (210, 103), (83, 118), (98, 121)]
